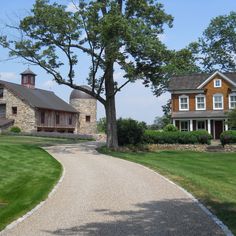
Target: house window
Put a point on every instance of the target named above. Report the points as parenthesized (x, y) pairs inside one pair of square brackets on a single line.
[(1, 92), (201, 125), (217, 83), (14, 110), (232, 101), (57, 118), (200, 102), (42, 117), (70, 120), (88, 118), (184, 125), (183, 103), (218, 102)]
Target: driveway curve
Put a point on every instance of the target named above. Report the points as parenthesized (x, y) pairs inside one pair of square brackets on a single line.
[(106, 196)]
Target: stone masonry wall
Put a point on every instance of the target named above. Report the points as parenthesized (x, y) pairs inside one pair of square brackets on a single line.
[(86, 107), (25, 117)]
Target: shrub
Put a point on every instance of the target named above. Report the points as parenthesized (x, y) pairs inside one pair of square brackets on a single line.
[(203, 137), (129, 131), (170, 128), (170, 137), (228, 137), (15, 129)]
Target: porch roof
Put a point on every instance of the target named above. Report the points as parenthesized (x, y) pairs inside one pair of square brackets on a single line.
[(199, 114)]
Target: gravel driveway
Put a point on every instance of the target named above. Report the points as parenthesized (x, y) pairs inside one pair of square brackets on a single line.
[(106, 196)]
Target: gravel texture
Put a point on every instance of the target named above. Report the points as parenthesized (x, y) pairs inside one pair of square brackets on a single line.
[(106, 196)]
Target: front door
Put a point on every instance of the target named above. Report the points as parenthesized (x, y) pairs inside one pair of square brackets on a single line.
[(2, 110), (218, 128)]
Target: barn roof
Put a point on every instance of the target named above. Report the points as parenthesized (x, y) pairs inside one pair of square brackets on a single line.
[(38, 97), (194, 81)]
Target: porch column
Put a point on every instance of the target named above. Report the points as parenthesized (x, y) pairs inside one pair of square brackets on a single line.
[(209, 126), (226, 125), (191, 125), (174, 122)]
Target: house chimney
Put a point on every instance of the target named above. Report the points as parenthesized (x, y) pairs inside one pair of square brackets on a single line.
[(28, 78)]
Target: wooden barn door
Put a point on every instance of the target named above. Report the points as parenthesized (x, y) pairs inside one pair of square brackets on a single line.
[(2, 110)]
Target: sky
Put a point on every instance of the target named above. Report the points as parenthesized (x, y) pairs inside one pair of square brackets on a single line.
[(191, 17)]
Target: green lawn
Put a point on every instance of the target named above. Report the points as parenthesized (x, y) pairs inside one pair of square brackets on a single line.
[(211, 177), (27, 174)]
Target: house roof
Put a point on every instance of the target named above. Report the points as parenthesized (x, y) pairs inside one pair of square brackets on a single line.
[(28, 72), (38, 97), (194, 81), (198, 114)]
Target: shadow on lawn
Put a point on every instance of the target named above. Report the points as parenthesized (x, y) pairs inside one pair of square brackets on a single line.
[(170, 217)]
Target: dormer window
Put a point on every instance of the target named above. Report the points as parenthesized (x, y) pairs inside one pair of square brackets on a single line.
[(200, 101), (184, 103), (218, 102), (217, 83), (232, 101)]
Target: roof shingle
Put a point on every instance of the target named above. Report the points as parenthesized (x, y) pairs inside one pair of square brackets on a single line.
[(193, 81)]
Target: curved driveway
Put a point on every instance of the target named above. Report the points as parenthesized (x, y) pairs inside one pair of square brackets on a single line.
[(106, 196)]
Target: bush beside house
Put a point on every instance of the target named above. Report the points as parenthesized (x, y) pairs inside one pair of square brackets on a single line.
[(170, 137), (228, 137)]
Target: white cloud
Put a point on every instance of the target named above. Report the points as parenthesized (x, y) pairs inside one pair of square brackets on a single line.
[(49, 84), (8, 76), (71, 7)]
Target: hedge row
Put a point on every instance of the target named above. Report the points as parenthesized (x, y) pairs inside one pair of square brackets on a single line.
[(193, 137), (228, 137)]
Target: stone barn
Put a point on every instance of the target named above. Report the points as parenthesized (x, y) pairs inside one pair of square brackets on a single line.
[(36, 110)]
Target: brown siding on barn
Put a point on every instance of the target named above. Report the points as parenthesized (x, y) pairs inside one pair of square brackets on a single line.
[(211, 90), (50, 120)]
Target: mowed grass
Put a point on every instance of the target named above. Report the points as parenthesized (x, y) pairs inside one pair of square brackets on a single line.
[(211, 177), (27, 174)]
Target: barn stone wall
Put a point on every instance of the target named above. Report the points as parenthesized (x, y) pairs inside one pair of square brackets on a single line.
[(86, 107), (25, 117)]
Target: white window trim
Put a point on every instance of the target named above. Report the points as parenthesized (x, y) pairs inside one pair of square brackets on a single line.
[(215, 83), (183, 96), (200, 109), (231, 94), (218, 94)]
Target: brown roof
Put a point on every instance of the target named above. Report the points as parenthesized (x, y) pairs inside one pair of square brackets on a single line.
[(39, 98), (193, 81)]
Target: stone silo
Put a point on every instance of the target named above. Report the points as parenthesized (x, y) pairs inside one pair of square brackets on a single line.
[(86, 105)]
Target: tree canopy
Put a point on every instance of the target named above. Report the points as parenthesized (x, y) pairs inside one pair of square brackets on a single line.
[(216, 49)]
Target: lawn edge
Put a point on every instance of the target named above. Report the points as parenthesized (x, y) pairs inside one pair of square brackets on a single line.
[(38, 206), (224, 227)]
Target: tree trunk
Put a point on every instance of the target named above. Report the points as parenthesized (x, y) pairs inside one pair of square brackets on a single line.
[(110, 107)]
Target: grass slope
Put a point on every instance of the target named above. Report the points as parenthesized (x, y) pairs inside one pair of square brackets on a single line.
[(27, 174), (211, 177)]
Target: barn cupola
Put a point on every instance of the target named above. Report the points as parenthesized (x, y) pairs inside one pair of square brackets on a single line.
[(28, 78)]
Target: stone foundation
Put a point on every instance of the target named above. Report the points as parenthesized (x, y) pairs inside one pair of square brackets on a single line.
[(177, 147)]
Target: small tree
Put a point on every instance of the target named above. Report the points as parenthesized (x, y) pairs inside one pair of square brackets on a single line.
[(101, 125), (232, 118), (216, 49)]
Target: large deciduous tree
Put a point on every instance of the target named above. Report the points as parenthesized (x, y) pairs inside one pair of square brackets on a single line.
[(216, 49), (111, 33)]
